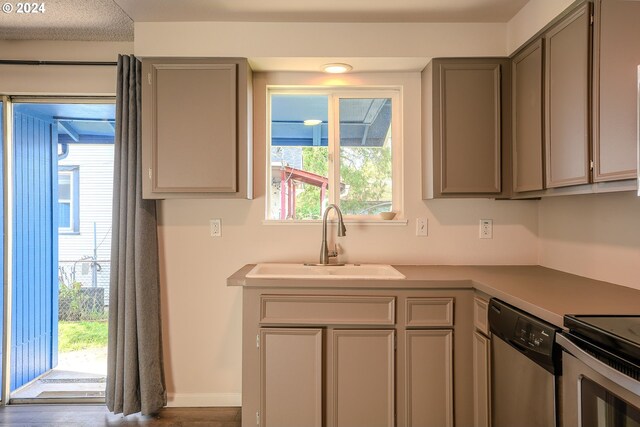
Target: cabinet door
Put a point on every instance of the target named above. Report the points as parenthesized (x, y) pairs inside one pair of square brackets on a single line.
[(290, 377), (470, 128), (429, 378), (567, 63), (481, 380), (362, 378), (527, 119), (194, 145), (617, 56)]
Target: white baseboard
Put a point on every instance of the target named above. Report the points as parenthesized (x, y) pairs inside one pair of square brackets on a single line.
[(197, 400)]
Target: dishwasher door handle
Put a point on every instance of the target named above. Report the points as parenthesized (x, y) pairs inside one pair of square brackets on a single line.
[(518, 344)]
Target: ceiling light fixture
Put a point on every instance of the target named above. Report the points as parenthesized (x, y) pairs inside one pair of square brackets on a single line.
[(336, 68), (312, 122)]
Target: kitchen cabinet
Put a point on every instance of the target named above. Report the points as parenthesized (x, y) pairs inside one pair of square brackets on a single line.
[(567, 64), (291, 377), (429, 377), (196, 128), (340, 357), (466, 127), (362, 378), (589, 101), (481, 364), (615, 84), (360, 391), (527, 71)]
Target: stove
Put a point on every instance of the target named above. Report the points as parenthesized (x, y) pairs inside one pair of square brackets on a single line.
[(601, 367), (614, 340)]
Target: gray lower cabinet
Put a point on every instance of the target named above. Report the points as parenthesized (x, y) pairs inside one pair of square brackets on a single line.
[(354, 358), (291, 361), (360, 377), (615, 84), (361, 380), (466, 109), (481, 384), (429, 377), (196, 121), (526, 73), (481, 363), (567, 107)]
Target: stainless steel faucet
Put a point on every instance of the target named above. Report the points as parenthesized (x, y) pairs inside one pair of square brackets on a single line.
[(325, 254)]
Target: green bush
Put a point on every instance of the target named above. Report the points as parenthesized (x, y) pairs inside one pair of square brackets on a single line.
[(77, 303)]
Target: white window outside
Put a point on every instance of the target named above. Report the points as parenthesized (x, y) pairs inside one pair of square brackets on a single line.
[(68, 209), (333, 146)]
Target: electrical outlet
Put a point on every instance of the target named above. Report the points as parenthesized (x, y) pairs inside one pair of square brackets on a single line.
[(215, 226), (486, 229), (422, 227)]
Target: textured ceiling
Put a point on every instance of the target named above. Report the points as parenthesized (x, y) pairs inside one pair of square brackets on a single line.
[(68, 20), (322, 10), (113, 19)]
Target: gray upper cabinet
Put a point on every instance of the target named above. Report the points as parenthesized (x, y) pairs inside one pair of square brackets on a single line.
[(526, 74), (616, 60), (567, 87), (464, 103), (196, 128)]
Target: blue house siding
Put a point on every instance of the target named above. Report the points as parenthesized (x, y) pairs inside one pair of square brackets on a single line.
[(35, 263)]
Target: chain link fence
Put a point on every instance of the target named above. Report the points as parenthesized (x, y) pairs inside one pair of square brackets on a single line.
[(83, 292)]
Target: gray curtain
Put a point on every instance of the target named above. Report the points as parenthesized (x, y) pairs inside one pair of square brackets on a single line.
[(135, 377)]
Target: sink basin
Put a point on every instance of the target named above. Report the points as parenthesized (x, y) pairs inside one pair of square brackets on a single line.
[(335, 272)]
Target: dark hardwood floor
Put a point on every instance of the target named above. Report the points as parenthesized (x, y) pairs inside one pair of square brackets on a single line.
[(99, 416)]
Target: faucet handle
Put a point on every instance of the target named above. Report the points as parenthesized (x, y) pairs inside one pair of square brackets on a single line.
[(334, 252)]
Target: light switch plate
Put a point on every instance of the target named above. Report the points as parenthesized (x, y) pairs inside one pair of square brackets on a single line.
[(422, 227)]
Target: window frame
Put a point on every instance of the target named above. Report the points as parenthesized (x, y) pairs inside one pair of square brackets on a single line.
[(74, 201), (335, 94)]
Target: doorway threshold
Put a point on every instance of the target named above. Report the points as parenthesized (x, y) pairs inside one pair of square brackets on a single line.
[(62, 386)]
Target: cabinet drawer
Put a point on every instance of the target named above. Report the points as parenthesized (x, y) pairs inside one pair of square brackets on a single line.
[(480, 315), (327, 310), (427, 312)]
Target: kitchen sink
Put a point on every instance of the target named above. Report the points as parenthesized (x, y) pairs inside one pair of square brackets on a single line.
[(335, 272)]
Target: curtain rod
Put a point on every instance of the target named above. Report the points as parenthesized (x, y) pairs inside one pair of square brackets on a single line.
[(28, 62)]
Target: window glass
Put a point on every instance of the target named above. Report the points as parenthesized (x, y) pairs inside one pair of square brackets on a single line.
[(333, 148), (64, 186), (299, 156), (365, 155)]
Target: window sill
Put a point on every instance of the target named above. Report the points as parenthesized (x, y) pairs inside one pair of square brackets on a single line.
[(372, 222)]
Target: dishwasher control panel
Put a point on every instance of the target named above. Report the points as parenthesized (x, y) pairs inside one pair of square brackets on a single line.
[(534, 336), (526, 333)]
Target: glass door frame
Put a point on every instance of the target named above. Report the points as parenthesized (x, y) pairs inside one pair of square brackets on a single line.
[(8, 199)]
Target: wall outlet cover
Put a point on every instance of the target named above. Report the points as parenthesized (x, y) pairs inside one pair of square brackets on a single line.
[(215, 226), (486, 229)]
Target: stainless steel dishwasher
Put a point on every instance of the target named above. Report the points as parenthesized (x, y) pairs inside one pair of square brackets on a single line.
[(525, 369)]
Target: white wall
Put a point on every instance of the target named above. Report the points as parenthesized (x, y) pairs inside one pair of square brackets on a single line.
[(52, 80), (596, 236), (313, 39), (531, 19), (202, 316)]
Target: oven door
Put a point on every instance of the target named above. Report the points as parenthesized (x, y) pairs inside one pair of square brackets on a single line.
[(594, 394)]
